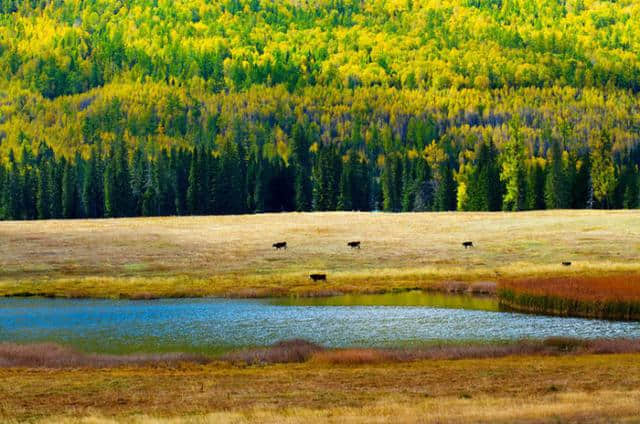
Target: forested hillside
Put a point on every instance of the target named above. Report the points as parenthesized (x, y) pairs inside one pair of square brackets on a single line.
[(156, 107)]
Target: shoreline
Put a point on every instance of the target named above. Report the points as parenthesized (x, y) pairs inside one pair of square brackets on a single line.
[(59, 356)]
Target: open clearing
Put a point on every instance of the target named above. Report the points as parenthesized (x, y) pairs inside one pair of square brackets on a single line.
[(587, 388), (233, 255)]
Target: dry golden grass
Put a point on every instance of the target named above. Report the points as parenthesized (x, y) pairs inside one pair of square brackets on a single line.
[(232, 255), (580, 407), (556, 388)]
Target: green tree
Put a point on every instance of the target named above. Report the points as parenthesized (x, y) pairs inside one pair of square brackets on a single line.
[(92, 189), (513, 169), (13, 192), (424, 186), (392, 183), (536, 182), (42, 195), (557, 187), (445, 197), (582, 182), (301, 163), (484, 187), (69, 192), (602, 168)]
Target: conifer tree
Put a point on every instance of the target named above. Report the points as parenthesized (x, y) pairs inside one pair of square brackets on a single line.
[(92, 197), (13, 192), (602, 168), (536, 182), (513, 169), (150, 205), (180, 166), (582, 188), (326, 179), (484, 187), (262, 176), (557, 188), (194, 187), (301, 163), (349, 188), (139, 177), (55, 187), (408, 190), (165, 185), (69, 192), (29, 184), (424, 186), (363, 184), (43, 198), (392, 183), (110, 195), (445, 197), (230, 181), (632, 189), (123, 180)]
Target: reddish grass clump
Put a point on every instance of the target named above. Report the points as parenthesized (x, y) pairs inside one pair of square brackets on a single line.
[(296, 350), (609, 297), (602, 288)]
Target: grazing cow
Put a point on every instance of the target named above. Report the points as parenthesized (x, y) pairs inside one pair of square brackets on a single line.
[(280, 245), (566, 263), (354, 244), (318, 277), (467, 244)]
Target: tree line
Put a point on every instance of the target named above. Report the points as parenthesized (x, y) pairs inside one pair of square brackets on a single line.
[(236, 177)]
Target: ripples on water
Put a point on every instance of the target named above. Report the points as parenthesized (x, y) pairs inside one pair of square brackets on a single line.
[(208, 325)]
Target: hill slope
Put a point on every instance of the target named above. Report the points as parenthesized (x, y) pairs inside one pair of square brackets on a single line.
[(387, 82)]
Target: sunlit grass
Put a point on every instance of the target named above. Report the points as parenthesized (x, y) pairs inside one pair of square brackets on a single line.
[(540, 388), (232, 255)]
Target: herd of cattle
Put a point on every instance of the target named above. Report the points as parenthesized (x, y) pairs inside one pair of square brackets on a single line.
[(356, 245), (352, 244)]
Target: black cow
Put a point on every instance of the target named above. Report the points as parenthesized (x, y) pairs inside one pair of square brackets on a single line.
[(566, 263), (318, 277), (467, 244), (354, 244), (280, 245)]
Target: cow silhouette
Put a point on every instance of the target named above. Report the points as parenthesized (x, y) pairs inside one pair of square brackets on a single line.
[(318, 277), (354, 244), (467, 244), (280, 245), (566, 263)]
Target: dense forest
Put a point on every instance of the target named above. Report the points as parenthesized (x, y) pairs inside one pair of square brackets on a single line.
[(115, 108)]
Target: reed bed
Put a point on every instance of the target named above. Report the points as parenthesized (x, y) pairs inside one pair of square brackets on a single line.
[(607, 297)]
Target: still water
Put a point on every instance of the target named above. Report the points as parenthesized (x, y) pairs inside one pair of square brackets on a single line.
[(210, 325)]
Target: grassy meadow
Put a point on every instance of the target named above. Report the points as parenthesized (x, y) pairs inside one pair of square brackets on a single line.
[(232, 255), (587, 388)]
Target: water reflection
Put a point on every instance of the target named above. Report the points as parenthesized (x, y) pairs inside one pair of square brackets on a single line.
[(405, 298), (209, 325)]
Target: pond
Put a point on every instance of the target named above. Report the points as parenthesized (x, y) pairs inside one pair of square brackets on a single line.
[(214, 325)]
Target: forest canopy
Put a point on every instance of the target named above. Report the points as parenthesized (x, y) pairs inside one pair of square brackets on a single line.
[(317, 105)]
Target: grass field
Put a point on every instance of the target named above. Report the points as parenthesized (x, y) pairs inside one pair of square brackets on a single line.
[(588, 388), (232, 255)]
